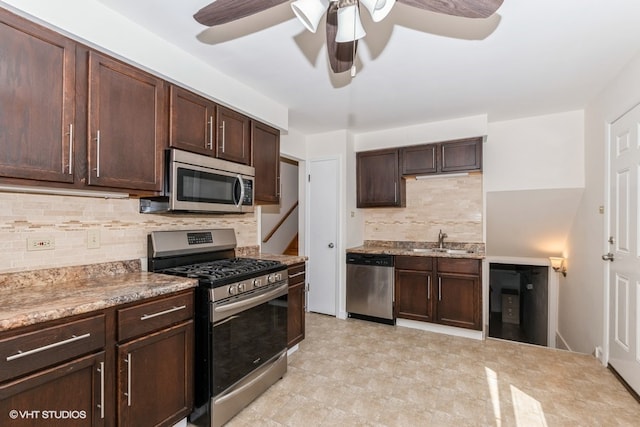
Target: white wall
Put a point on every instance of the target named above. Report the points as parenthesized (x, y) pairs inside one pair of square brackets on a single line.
[(534, 179), (535, 153), (90, 22), (582, 294), (422, 134)]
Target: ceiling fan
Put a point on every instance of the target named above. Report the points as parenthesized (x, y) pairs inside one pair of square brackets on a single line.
[(343, 26)]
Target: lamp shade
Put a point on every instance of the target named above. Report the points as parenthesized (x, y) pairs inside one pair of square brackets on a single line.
[(556, 263), (349, 25), (309, 12), (378, 9)]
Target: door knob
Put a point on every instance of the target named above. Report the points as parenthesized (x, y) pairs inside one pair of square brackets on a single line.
[(331, 245), (608, 257)]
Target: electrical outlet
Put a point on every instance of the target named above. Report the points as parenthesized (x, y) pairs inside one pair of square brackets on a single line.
[(41, 244), (93, 238)]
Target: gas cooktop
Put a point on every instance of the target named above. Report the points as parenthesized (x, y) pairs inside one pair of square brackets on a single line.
[(224, 271)]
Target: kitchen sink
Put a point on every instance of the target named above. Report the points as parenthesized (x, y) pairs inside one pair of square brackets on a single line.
[(442, 251)]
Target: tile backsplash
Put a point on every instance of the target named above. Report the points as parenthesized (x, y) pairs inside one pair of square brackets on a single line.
[(452, 204), (65, 219)]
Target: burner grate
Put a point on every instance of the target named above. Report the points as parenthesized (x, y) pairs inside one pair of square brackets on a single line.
[(223, 270)]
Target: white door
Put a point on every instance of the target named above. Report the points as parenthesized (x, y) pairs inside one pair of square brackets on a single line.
[(624, 270), (322, 237)]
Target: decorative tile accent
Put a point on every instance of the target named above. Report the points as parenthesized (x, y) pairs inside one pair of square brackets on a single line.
[(451, 204), (66, 219)]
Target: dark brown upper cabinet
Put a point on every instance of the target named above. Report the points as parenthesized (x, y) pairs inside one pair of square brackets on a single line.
[(234, 140), (266, 161), (125, 127), (462, 155), (379, 183), (37, 102), (192, 122), (420, 159)]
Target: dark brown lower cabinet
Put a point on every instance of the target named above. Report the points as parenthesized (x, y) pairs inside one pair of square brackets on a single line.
[(296, 304), (130, 365), (414, 288), (459, 293), (154, 377), (447, 291), (71, 394)]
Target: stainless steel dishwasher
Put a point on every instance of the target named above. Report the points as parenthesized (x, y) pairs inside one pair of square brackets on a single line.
[(370, 287)]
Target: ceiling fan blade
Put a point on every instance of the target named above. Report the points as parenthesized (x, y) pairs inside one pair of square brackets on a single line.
[(464, 8), (223, 11), (341, 55)]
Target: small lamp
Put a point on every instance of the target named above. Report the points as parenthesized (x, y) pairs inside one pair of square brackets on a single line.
[(349, 25), (309, 12), (378, 9), (558, 266)]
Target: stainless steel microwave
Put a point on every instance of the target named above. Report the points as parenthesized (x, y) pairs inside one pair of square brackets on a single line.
[(197, 183)]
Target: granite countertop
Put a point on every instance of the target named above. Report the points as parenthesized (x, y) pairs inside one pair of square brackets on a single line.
[(461, 250), (254, 252), (285, 259), (39, 296)]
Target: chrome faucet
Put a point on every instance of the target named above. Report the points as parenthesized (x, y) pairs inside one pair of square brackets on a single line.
[(441, 237)]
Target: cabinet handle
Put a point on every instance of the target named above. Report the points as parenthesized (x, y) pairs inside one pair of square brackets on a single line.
[(439, 288), (243, 140), (428, 287), (210, 144), (71, 149), (101, 404), (128, 393), (21, 354), (223, 135), (160, 313), (395, 192), (278, 186), (297, 275), (98, 154)]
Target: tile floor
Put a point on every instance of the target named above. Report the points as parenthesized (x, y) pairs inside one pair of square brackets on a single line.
[(358, 373)]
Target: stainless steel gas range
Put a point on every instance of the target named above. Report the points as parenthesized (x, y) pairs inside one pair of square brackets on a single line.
[(241, 318)]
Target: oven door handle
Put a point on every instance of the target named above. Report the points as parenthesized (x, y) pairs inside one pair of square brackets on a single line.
[(221, 312)]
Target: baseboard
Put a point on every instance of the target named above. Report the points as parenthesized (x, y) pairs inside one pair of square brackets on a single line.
[(292, 350), (561, 343), (440, 329)]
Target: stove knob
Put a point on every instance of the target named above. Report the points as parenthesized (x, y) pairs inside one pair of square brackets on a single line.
[(257, 283), (233, 289), (242, 287)]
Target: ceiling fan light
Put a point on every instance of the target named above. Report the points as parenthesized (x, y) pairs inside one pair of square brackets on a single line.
[(309, 12), (349, 25), (378, 9)]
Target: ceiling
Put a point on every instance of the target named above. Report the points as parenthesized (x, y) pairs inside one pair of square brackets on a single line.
[(532, 57)]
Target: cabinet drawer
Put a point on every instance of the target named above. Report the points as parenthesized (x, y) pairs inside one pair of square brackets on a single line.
[(29, 352), (421, 263), (150, 316), (296, 274), (459, 265)]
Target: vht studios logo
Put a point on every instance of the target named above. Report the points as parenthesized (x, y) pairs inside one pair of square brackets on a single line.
[(47, 415)]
